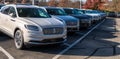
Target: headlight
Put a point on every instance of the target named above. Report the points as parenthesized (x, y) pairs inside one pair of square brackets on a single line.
[(32, 27)]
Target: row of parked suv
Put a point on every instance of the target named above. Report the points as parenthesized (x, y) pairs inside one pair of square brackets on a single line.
[(30, 24)]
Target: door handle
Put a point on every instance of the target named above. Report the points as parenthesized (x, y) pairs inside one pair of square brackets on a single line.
[(12, 19)]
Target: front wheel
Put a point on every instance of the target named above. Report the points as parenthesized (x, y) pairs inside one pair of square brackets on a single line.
[(19, 41)]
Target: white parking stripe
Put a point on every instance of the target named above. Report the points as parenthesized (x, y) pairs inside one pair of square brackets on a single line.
[(6, 53), (66, 44), (77, 41)]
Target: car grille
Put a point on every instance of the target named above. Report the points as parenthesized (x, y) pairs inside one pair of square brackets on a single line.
[(53, 30), (71, 23), (85, 20)]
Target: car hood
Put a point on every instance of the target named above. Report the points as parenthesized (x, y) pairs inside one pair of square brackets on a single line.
[(66, 18), (44, 22)]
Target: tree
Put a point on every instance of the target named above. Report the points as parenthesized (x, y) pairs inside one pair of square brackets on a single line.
[(52, 3), (76, 4), (116, 5), (95, 4), (1, 1), (64, 3), (23, 1)]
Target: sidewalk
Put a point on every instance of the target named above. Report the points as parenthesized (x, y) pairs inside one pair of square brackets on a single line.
[(102, 43)]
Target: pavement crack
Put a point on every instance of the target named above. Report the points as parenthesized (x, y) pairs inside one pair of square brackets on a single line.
[(114, 51), (92, 53)]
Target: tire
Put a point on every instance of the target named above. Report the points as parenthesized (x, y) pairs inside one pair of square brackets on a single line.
[(19, 41)]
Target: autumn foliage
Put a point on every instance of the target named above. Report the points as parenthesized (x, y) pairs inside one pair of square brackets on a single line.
[(114, 5), (23, 1), (64, 3), (52, 3), (95, 4)]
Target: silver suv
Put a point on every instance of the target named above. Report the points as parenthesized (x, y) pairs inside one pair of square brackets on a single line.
[(29, 24), (72, 23)]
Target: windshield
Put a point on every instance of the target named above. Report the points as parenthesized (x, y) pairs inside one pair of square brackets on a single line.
[(91, 11), (79, 11), (32, 12), (76, 11), (71, 11), (55, 11)]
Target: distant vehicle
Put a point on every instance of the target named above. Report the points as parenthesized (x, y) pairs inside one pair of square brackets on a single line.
[(118, 14), (29, 24), (112, 14), (95, 17), (72, 23), (102, 15), (85, 20)]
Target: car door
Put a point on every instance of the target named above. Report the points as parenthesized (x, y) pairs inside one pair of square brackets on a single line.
[(3, 18), (11, 20)]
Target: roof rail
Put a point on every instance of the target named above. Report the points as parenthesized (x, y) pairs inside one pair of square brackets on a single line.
[(23, 4)]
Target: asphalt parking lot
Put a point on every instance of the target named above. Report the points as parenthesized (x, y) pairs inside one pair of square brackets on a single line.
[(101, 43)]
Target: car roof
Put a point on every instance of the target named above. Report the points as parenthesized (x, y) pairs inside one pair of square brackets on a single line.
[(52, 7), (27, 6), (23, 6), (68, 8)]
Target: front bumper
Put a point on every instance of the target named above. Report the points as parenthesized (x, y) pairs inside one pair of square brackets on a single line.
[(72, 28), (47, 41), (41, 39), (85, 24)]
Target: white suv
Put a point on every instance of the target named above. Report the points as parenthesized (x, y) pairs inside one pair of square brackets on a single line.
[(29, 24)]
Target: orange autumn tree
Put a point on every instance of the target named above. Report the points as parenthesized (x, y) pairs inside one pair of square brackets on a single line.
[(23, 1), (76, 4), (52, 3), (95, 4), (1, 0), (64, 3)]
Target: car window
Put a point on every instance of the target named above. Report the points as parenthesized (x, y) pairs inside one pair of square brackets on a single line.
[(5, 10), (71, 11), (12, 11), (55, 11), (68, 11), (80, 11), (76, 11), (32, 12)]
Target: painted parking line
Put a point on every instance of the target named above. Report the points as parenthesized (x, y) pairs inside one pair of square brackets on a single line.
[(77, 41), (6, 53), (66, 44)]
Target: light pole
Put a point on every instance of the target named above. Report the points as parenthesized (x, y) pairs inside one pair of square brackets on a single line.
[(80, 4), (33, 2), (3, 1)]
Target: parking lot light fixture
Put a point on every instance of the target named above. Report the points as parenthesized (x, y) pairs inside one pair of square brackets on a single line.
[(80, 4), (4, 1), (33, 2)]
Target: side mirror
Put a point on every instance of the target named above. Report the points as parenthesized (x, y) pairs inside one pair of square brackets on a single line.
[(12, 15)]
